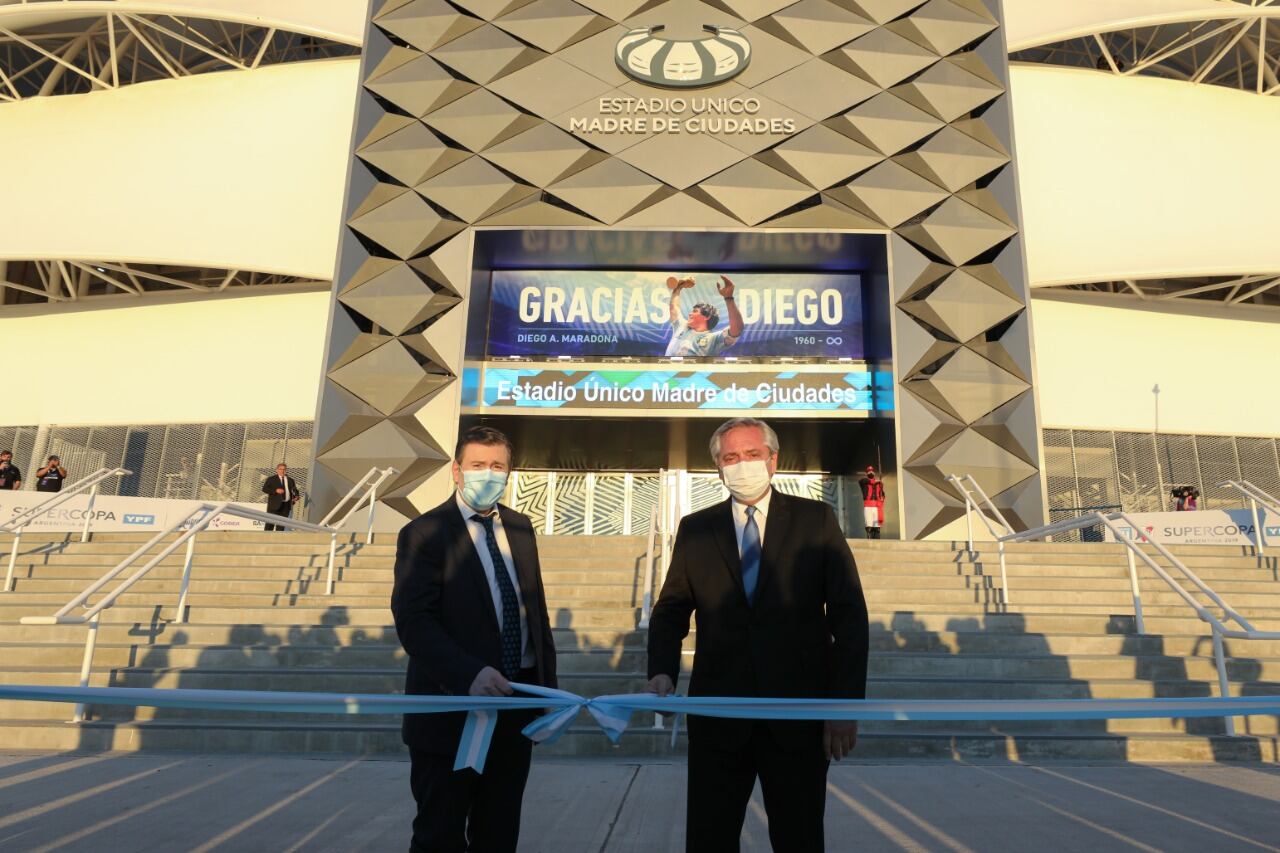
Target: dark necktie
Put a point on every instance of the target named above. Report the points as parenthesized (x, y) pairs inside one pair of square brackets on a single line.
[(750, 555), (510, 602)]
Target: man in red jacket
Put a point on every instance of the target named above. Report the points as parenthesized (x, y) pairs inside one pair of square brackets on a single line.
[(872, 503)]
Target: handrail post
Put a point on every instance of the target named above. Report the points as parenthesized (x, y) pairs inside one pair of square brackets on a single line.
[(968, 519), (1138, 622), (1259, 532), (1004, 573), (13, 560), (1224, 687), (646, 603), (86, 665), (373, 504), (333, 552), (186, 580), (88, 513)]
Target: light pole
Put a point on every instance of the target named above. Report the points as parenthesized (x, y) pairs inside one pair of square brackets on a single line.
[(1155, 391), (1155, 447)]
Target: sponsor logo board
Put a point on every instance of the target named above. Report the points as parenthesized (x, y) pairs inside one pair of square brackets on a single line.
[(1205, 527), (114, 513)]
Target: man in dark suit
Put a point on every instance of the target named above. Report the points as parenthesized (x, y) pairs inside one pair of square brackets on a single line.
[(780, 613), (282, 494), (471, 612)]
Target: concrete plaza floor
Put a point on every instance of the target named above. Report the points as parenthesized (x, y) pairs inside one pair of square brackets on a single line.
[(128, 802)]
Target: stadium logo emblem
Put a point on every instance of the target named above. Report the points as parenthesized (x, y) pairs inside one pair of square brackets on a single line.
[(683, 64)]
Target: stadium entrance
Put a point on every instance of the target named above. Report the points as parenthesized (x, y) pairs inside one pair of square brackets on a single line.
[(609, 356)]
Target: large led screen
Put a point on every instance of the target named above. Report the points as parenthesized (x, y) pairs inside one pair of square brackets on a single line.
[(599, 314)]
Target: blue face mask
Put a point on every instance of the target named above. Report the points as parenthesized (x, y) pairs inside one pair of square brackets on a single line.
[(481, 489)]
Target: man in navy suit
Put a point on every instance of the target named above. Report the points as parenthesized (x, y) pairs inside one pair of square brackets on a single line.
[(471, 612), (780, 612)]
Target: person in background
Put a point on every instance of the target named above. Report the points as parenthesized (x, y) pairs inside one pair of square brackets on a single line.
[(50, 477), (10, 474), (872, 503), (282, 494)]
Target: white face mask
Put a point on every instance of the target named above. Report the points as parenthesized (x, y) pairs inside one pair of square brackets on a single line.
[(746, 480)]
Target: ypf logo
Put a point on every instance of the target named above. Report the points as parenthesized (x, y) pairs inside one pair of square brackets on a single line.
[(683, 63)]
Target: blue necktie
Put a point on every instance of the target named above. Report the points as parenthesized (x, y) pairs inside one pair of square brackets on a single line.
[(750, 555), (510, 603)]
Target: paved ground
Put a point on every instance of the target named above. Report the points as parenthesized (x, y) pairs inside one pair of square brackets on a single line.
[(123, 802)]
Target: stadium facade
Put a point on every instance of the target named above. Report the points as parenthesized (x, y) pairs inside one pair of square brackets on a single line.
[(966, 236)]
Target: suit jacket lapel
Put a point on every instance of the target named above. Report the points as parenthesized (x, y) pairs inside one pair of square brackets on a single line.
[(465, 549), (775, 535), (727, 541)]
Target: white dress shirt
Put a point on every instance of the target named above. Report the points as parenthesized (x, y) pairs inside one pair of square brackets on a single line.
[(476, 529), (740, 517)]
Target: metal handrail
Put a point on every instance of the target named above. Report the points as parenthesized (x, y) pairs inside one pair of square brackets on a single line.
[(370, 494), (970, 507), (18, 523), (646, 605), (1221, 627), (658, 550), (1256, 497), (196, 521)]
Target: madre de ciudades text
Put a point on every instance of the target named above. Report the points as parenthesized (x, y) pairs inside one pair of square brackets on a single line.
[(658, 393), (681, 115)]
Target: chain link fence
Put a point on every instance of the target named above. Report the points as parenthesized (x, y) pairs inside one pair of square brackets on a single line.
[(219, 462), (1090, 470)]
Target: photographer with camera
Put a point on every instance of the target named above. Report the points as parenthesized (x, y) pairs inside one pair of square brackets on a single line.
[(1188, 498), (50, 477), (10, 474)]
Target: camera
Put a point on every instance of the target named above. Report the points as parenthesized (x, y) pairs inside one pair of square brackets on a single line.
[(1184, 492)]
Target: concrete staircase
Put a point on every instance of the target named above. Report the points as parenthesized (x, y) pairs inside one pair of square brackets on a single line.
[(259, 619)]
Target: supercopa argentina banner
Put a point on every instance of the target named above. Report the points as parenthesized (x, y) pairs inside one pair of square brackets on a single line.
[(548, 313)]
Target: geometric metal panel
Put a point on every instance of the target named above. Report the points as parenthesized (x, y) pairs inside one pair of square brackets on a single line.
[(968, 386), (883, 57), (886, 124), (816, 25), (404, 224), (953, 159), (890, 120), (752, 192), (425, 24), (820, 157), (485, 54), (552, 24), (961, 310), (890, 193), (945, 26), (415, 83), (473, 190)]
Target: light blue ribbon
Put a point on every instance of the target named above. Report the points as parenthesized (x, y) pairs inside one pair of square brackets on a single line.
[(613, 713)]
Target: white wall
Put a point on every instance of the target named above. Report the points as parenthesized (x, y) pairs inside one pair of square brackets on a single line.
[(1142, 177), (1096, 365), (239, 169), (139, 363)]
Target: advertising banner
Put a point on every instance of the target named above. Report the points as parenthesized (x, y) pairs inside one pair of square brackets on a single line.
[(548, 313), (1205, 527), (650, 389), (114, 514)]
